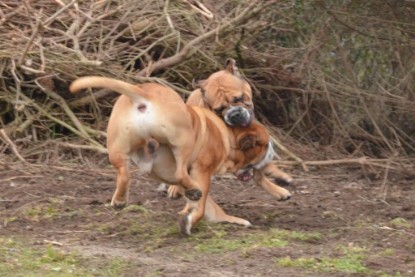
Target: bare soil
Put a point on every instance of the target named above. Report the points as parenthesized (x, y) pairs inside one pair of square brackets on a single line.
[(68, 205)]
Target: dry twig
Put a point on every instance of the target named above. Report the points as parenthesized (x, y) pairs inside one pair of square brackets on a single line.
[(12, 146)]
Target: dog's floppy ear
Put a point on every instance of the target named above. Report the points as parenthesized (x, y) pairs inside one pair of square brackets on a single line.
[(247, 142), (231, 67), (198, 84)]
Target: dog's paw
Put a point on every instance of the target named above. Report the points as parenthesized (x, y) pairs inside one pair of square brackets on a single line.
[(284, 195), (117, 204), (245, 223), (193, 194), (174, 192)]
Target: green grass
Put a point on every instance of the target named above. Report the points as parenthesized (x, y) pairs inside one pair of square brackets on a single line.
[(351, 261), (42, 211), (17, 259), (219, 240), (298, 236), (49, 210), (400, 222), (135, 209)]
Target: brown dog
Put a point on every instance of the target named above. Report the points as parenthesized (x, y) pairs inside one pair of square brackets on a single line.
[(224, 90), (177, 143)]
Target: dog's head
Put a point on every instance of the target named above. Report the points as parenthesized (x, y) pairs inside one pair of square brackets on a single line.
[(253, 150), (229, 95)]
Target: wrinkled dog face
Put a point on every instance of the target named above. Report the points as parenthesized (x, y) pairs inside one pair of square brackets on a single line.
[(229, 96), (257, 152)]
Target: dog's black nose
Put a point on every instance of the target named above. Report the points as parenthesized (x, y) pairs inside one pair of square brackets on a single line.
[(237, 117)]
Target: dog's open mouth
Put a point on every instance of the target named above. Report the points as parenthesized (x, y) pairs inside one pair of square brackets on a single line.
[(244, 175)]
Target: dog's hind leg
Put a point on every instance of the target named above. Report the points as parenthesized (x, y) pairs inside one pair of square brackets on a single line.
[(213, 212), (120, 163)]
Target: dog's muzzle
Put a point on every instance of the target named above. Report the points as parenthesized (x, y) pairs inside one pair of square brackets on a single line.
[(238, 117)]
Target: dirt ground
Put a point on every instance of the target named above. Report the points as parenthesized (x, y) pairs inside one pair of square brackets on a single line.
[(341, 221)]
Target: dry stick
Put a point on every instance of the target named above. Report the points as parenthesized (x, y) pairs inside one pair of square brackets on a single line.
[(357, 30), (12, 145), (289, 153), (30, 42), (362, 161), (98, 146), (30, 118), (168, 18), (146, 50), (77, 146), (32, 70), (383, 189), (170, 22), (189, 49), (203, 10), (85, 26), (56, 14), (39, 25), (336, 116), (42, 55), (89, 98), (62, 103), (9, 15)]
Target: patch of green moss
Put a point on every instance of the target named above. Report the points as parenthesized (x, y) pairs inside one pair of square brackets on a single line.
[(387, 252), (17, 259), (136, 209), (215, 239), (350, 262), (220, 242), (400, 222), (297, 235)]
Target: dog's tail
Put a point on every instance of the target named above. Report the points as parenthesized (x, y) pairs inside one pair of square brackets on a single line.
[(132, 91)]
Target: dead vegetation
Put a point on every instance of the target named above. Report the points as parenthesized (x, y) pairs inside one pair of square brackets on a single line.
[(335, 82)]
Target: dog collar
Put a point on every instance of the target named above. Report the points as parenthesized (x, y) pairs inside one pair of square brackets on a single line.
[(267, 158)]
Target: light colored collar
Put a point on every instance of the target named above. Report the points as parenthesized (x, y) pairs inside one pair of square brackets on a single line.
[(268, 157)]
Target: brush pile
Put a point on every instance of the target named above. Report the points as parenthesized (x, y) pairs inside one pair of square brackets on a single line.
[(333, 77)]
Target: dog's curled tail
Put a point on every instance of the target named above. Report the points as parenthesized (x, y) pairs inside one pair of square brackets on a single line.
[(132, 91)]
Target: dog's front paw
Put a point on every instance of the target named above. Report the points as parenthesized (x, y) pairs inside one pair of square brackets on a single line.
[(193, 194), (284, 195), (118, 204)]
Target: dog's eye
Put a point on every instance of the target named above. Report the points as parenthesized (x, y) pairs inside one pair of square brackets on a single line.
[(238, 99), (220, 109)]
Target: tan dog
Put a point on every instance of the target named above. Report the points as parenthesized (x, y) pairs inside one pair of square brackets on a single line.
[(179, 144), (222, 91)]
